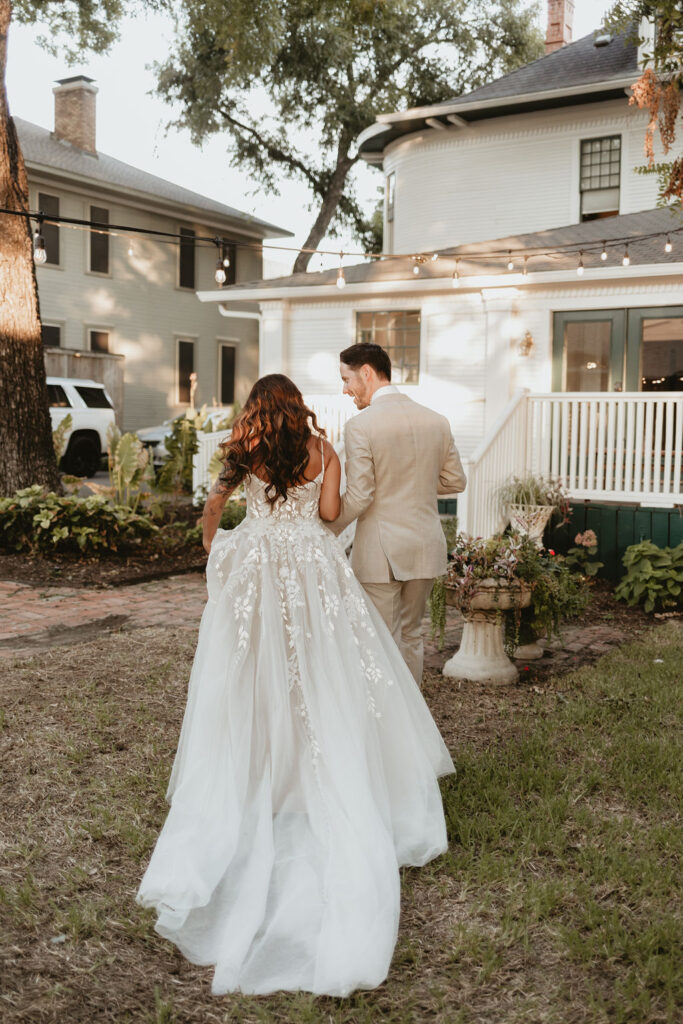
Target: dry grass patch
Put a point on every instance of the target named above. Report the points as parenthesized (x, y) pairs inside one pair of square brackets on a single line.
[(555, 904)]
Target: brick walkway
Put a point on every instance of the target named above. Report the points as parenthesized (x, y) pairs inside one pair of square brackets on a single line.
[(34, 618)]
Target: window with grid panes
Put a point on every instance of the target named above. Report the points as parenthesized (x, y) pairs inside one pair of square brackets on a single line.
[(600, 177), (398, 332)]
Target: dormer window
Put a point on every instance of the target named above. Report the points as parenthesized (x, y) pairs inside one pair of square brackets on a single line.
[(600, 173)]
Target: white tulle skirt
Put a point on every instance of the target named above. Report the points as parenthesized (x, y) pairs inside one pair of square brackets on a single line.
[(305, 775)]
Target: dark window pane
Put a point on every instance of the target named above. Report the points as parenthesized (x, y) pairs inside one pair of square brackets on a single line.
[(227, 374), (661, 354), (186, 276), (52, 336), (587, 355), (99, 341), (56, 396), (94, 398), (49, 205), (99, 242), (230, 254), (185, 368)]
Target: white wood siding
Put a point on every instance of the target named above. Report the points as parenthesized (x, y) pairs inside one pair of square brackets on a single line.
[(509, 175)]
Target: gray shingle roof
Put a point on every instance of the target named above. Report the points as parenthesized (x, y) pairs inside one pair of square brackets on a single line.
[(589, 234), (43, 151), (578, 63), (580, 72)]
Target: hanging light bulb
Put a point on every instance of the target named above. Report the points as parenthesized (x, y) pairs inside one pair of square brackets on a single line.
[(627, 259), (341, 280), (220, 274), (456, 275), (131, 251), (511, 264), (226, 260), (435, 257), (525, 268), (416, 269), (579, 269), (603, 254), (668, 245), (39, 252)]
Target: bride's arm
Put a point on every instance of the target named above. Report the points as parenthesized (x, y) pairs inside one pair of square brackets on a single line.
[(213, 510), (329, 492)]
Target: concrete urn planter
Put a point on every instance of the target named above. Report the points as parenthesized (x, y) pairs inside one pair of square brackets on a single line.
[(530, 520), (481, 657)]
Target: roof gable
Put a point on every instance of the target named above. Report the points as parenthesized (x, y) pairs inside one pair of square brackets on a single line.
[(43, 151)]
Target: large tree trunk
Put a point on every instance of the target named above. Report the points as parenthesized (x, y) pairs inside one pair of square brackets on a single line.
[(26, 450), (328, 208)]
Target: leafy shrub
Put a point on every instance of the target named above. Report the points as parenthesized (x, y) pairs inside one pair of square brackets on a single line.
[(129, 467), (654, 576), (34, 520), (233, 514), (181, 444)]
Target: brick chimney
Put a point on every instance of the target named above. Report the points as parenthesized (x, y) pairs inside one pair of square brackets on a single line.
[(75, 112), (560, 23)]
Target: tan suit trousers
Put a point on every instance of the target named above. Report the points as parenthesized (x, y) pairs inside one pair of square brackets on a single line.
[(402, 605)]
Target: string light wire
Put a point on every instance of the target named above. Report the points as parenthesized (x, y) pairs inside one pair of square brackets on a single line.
[(174, 238)]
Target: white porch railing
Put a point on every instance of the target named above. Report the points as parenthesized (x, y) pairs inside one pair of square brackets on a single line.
[(500, 455), (621, 447), (603, 447)]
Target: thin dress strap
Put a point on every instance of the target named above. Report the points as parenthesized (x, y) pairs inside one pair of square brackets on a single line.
[(322, 454)]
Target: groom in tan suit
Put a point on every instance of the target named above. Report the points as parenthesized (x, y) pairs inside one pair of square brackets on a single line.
[(399, 457)]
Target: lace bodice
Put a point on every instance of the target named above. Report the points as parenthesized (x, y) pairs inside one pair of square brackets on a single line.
[(302, 501)]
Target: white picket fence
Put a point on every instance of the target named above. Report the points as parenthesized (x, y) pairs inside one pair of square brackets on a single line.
[(603, 446)]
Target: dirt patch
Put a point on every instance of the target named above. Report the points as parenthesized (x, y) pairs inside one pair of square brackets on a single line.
[(74, 570)]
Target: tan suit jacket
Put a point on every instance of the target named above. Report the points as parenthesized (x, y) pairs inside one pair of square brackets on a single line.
[(399, 457)]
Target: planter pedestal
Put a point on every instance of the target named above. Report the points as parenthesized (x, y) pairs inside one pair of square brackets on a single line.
[(529, 652), (481, 657)]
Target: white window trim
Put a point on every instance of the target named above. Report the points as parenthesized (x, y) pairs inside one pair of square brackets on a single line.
[(420, 342), (576, 169), (194, 338)]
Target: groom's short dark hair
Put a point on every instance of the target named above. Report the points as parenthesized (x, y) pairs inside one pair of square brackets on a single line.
[(367, 354)]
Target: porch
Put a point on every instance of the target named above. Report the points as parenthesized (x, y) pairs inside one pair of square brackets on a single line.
[(619, 448)]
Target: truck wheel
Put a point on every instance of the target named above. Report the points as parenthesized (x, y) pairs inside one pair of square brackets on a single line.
[(82, 457)]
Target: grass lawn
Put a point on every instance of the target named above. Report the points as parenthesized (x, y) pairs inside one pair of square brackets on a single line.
[(558, 902)]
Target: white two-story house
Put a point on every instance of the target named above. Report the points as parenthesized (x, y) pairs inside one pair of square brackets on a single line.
[(121, 306), (532, 291)]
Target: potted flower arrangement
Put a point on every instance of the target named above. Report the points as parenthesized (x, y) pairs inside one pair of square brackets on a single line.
[(491, 581), (528, 503)]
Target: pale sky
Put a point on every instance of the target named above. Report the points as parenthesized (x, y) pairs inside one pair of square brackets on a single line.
[(131, 122)]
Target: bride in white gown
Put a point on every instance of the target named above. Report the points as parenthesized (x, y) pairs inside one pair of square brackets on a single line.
[(307, 767)]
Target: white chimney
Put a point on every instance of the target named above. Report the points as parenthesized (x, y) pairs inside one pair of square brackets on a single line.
[(560, 24), (75, 112)]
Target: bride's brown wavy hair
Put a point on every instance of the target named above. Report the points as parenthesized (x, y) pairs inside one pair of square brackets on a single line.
[(270, 437)]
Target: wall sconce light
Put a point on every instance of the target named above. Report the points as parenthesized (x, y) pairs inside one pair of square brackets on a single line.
[(526, 345)]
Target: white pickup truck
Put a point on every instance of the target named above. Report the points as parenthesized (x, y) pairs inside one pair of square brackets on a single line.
[(91, 411)]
